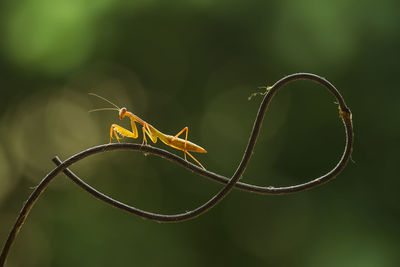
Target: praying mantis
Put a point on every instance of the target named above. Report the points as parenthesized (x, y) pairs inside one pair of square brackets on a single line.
[(149, 130)]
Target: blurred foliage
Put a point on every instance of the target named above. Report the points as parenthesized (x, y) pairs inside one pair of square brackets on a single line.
[(194, 63)]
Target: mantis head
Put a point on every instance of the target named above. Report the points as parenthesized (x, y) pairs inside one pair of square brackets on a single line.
[(122, 113)]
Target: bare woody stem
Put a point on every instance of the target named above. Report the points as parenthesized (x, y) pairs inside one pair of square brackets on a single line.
[(344, 112)]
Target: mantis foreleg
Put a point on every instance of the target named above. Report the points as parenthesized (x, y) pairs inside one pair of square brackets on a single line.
[(116, 129)]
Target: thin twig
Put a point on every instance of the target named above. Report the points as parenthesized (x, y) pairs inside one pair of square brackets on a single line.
[(344, 112)]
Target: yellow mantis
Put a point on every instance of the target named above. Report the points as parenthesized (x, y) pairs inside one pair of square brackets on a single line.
[(149, 130)]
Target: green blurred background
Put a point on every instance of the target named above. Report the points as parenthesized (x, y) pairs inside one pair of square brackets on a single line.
[(194, 63)]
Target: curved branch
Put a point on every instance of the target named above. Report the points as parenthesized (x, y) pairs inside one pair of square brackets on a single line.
[(344, 112)]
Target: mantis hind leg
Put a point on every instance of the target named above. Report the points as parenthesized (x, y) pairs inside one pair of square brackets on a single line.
[(184, 149), (198, 162), (118, 130), (186, 129)]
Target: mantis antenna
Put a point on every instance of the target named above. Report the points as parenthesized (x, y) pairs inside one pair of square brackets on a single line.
[(108, 101), (100, 109)]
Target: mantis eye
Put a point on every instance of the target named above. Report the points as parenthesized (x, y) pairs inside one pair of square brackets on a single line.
[(122, 112)]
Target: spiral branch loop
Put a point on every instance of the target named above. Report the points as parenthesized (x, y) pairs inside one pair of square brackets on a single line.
[(230, 183)]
